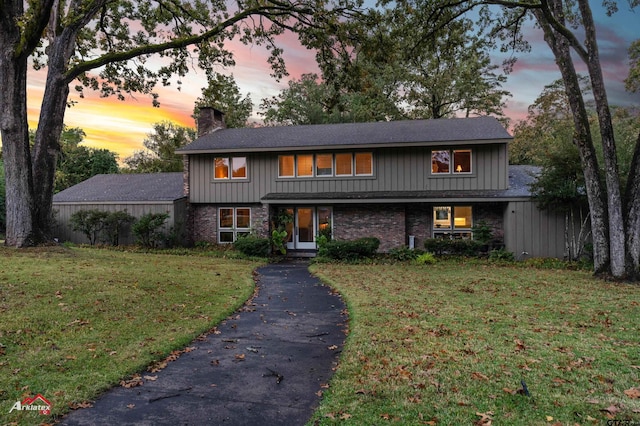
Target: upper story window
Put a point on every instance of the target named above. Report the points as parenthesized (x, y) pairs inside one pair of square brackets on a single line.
[(325, 165), (344, 164), (451, 161), (230, 168)]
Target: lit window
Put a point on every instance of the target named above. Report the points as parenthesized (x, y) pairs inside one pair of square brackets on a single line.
[(324, 165), (452, 222), (324, 221), (441, 161), (462, 161), (462, 217), (364, 164), (239, 170), (232, 223), (221, 168), (237, 166), (285, 166), (305, 165), (344, 164)]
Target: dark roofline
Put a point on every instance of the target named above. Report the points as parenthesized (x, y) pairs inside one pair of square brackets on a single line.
[(454, 131)]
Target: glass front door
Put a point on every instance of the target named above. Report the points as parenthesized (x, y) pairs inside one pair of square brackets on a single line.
[(305, 228)]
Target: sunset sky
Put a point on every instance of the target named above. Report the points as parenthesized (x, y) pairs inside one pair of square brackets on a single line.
[(121, 126)]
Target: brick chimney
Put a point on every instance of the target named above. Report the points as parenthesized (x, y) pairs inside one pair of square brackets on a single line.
[(209, 120)]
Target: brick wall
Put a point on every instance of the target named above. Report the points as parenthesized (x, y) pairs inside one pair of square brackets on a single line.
[(385, 222), (492, 214), (205, 221), (419, 222)]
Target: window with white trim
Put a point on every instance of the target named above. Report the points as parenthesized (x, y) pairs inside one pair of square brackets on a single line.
[(452, 222), (341, 164), (233, 222), (230, 168), (457, 161)]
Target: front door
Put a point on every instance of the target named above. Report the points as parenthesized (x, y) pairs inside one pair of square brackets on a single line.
[(302, 229), (305, 231)]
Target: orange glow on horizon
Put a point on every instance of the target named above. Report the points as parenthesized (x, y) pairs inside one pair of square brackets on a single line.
[(119, 126)]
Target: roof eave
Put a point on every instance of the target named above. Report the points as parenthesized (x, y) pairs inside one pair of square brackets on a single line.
[(344, 146)]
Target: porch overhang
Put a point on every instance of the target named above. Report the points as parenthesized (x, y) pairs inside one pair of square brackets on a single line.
[(392, 197)]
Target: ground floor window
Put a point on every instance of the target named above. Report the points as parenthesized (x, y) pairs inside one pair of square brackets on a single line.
[(233, 222), (452, 222)]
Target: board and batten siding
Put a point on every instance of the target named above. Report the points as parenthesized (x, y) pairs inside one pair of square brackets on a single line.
[(531, 232), (176, 222), (394, 169)]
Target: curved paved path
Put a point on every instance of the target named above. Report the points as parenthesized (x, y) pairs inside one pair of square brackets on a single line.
[(265, 367)]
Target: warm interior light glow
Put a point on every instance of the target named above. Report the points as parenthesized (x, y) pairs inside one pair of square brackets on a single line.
[(460, 221), (459, 168)]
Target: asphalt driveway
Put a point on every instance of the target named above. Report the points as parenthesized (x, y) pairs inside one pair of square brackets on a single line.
[(266, 365)]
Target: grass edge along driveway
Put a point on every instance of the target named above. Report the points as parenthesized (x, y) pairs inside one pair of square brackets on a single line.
[(74, 322), (452, 343)]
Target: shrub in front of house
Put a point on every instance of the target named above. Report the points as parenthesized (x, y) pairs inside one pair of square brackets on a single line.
[(350, 250), (440, 246), (148, 229), (425, 259), (253, 246), (404, 253)]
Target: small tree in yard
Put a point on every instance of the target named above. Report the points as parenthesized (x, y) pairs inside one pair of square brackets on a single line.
[(148, 229), (89, 222)]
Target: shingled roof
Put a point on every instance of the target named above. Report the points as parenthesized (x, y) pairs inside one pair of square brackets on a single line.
[(147, 187), (350, 135)]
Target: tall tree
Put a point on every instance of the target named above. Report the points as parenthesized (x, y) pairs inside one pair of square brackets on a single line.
[(224, 94), (615, 217), (78, 163), (105, 46), (161, 144), (311, 101), (389, 56)]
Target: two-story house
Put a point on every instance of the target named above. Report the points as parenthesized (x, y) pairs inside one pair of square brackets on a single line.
[(399, 181)]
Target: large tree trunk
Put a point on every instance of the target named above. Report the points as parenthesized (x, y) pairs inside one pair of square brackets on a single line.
[(583, 140), (47, 141), (617, 230), (632, 219), (15, 130)]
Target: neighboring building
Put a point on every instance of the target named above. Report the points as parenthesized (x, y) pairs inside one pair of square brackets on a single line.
[(399, 181), (137, 194)]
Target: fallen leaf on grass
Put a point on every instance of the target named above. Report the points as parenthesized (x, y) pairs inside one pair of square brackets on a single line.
[(611, 411), (134, 381), (633, 393), (478, 376), (77, 405), (485, 419)]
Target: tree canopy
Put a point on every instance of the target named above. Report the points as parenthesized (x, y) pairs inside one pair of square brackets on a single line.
[(107, 46), (161, 144), (224, 94), (78, 163)]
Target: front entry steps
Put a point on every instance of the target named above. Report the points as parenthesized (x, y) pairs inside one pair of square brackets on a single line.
[(302, 253)]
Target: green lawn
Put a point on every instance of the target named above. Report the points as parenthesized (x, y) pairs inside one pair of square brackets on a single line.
[(450, 343), (74, 322)]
